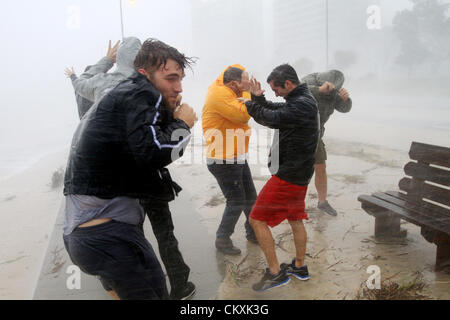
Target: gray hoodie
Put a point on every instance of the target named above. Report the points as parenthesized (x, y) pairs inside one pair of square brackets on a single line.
[(96, 82), (328, 103)]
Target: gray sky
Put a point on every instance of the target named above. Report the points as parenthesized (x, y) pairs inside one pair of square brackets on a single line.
[(39, 39)]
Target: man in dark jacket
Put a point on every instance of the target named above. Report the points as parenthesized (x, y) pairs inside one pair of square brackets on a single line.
[(292, 165), (119, 154), (95, 85)]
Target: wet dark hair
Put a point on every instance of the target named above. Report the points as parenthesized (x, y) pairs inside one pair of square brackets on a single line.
[(282, 73), (155, 53), (232, 74)]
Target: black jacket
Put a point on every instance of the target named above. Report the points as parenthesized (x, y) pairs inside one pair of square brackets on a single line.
[(295, 142), (123, 144)]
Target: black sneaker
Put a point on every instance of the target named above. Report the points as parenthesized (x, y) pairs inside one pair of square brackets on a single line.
[(300, 273), (325, 207), (225, 245), (269, 281), (183, 294)]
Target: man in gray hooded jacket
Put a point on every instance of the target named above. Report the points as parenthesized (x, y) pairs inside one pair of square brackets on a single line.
[(327, 89)]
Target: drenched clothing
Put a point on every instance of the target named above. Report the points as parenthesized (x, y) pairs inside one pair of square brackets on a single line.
[(160, 217), (280, 200), (225, 122), (297, 133), (121, 257), (123, 143), (227, 134), (120, 150), (83, 104), (236, 183), (96, 82), (328, 103), (321, 154), (82, 209)]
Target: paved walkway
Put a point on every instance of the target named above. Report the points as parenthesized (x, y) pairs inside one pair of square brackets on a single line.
[(207, 270)]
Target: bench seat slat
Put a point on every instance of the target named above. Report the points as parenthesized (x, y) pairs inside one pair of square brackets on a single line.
[(436, 210), (405, 214), (432, 216)]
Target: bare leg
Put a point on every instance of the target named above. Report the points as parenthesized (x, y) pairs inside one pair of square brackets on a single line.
[(267, 244), (300, 237), (321, 181)]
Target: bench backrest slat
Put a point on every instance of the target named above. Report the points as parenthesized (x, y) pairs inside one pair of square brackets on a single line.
[(425, 191), (439, 156), (424, 172)]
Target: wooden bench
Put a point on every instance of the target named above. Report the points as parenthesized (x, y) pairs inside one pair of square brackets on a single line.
[(425, 200)]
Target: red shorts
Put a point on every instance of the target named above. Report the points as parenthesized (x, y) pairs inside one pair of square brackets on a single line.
[(280, 200)]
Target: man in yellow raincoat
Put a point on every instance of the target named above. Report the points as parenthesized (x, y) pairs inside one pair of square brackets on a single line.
[(227, 135)]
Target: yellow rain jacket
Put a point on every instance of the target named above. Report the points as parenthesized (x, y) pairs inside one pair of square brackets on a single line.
[(225, 122)]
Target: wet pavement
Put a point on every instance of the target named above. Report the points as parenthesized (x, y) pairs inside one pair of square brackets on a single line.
[(197, 246)]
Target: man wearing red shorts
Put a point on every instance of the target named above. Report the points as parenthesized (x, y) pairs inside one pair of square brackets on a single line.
[(291, 162)]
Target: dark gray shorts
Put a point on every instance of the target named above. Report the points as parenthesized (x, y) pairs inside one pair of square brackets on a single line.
[(122, 257)]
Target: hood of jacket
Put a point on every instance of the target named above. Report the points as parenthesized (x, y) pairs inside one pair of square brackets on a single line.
[(126, 53), (336, 77)]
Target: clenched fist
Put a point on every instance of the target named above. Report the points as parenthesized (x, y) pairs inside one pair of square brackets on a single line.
[(326, 88), (344, 94), (186, 113)]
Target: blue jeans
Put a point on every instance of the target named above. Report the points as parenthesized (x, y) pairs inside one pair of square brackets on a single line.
[(236, 183)]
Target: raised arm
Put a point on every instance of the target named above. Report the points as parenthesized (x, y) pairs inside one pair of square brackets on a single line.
[(343, 101), (275, 119), (154, 144), (85, 85)]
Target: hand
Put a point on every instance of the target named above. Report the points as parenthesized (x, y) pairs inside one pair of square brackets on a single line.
[(112, 52), (326, 88), (186, 113), (255, 88), (69, 72), (344, 94)]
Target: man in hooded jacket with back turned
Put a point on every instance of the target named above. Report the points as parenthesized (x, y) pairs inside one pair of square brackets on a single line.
[(327, 89)]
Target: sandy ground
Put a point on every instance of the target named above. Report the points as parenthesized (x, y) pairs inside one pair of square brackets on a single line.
[(339, 249), (28, 209)]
